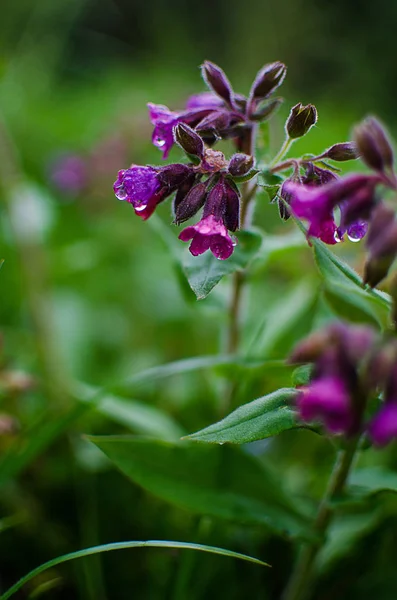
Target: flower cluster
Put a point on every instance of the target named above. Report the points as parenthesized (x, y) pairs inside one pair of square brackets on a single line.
[(318, 194), (352, 371), (208, 180)]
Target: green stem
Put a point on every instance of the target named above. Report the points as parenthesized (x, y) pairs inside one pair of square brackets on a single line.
[(282, 152), (302, 576)]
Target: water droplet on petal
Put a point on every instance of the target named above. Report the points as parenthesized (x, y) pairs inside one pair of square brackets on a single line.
[(140, 208), (121, 194), (159, 142)]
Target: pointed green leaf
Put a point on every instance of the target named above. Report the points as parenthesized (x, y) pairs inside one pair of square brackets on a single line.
[(345, 292), (219, 481), (123, 546), (205, 271), (256, 420)]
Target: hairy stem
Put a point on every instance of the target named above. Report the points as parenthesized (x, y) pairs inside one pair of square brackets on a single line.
[(283, 151), (299, 585)]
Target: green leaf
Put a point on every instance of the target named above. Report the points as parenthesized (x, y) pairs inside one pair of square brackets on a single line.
[(257, 420), (272, 191), (140, 417), (302, 375), (373, 480), (123, 546), (1, 262), (205, 271), (218, 481), (345, 292), (355, 304)]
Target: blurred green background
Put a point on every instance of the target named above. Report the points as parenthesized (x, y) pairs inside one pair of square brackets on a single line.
[(90, 295)]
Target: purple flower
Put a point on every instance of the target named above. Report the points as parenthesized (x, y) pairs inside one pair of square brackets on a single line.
[(140, 186), (354, 194), (312, 204), (164, 120), (383, 428), (221, 211), (328, 400), (208, 234)]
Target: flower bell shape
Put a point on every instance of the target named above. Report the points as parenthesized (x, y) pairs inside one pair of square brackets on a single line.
[(211, 233), (326, 399), (144, 187)]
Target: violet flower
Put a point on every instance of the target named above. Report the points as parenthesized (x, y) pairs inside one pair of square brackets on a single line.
[(328, 400), (211, 232), (383, 427)]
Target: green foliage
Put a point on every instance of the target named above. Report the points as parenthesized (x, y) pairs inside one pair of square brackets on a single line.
[(344, 291), (257, 420), (125, 546), (219, 481)]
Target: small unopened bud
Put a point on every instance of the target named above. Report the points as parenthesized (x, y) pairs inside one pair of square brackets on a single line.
[(188, 140), (231, 218), (300, 120), (240, 164), (373, 144), (217, 81), (191, 203), (268, 79), (342, 152)]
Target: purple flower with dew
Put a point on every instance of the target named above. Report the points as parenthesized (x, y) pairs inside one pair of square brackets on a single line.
[(164, 120), (312, 204), (383, 427), (328, 400), (69, 173), (140, 186)]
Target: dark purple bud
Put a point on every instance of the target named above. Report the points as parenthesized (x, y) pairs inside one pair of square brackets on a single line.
[(216, 201), (359, 206), (373, 144), (240, 164), (267, 80), (311, 348), (184, 188), (265, 109), (382, 244), (218, 122), (191, 203), (231, 217), (188, 140), (217, 81), (283, 209), (172, 176), (342, 152), (317, 176), (300, 120)]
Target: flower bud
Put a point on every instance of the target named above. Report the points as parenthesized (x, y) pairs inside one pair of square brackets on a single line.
[(268, 79), (231, 218), (373, 144), (300, 120), (382, 245), (217, 81), (191, 203), (342, 152), (265, 109), (188, 140), (240, 164)]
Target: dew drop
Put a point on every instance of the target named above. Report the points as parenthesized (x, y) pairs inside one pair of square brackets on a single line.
[(140, 208), (159, 142), (121, 194)]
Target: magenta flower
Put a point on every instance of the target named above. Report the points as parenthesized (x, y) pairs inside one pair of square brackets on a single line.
[(355, 196), (312, 204), (328, 400), (383, 427), (164, 120), (138, 186), (208, 234)]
